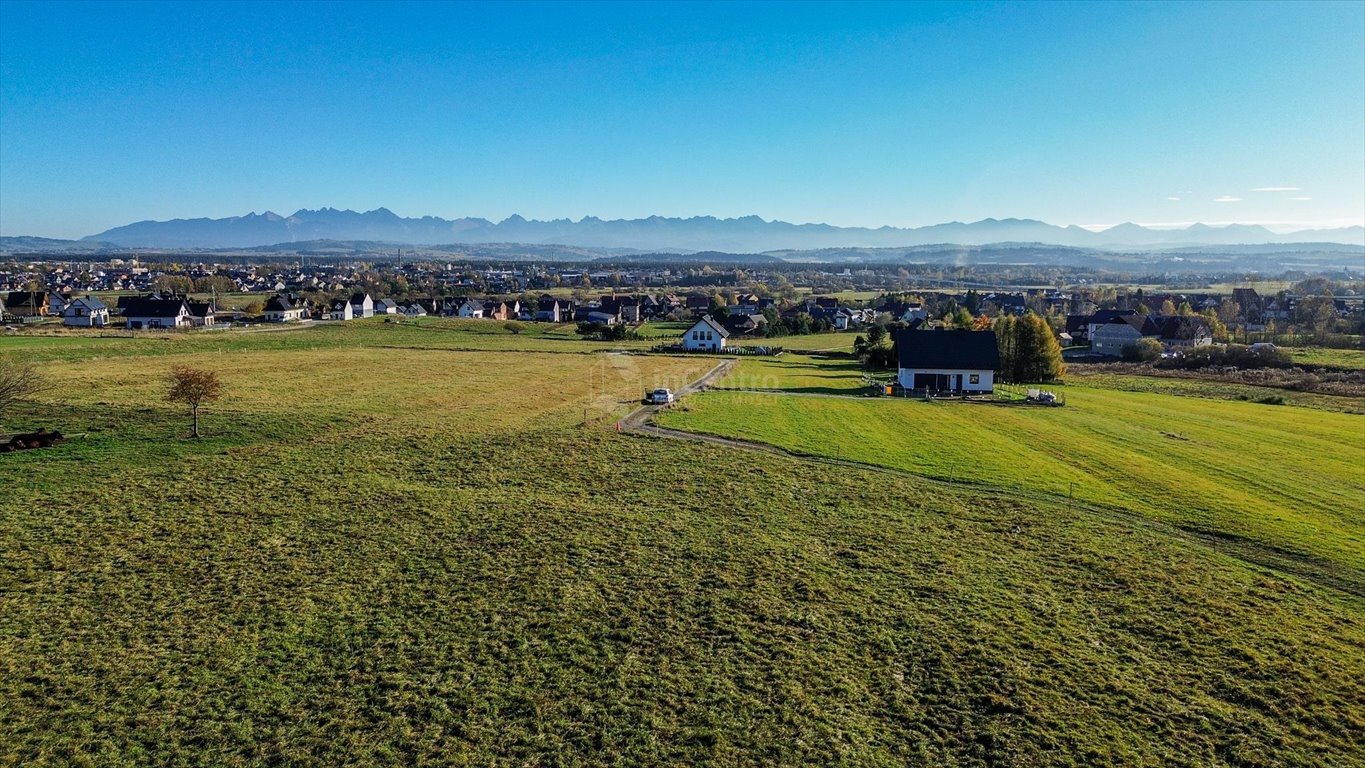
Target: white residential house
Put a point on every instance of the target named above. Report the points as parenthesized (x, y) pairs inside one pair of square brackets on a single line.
[(413, 310), (202, 314), (282, 308), (386, 307), (469, 308), (361, 305), (705, 334), (152, 313), (958, 362), (87, 312), (340, 310)]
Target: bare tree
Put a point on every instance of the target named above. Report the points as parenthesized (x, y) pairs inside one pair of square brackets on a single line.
[(17, 382), (194, 388)]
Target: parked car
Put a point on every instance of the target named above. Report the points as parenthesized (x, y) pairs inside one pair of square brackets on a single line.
[(660, 397)]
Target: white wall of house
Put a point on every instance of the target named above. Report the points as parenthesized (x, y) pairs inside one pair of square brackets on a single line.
[(971, 381), (363, 308), (179, 321), (79, 317), (344, 313), (284, 316), (1198, 341), (702, 337)]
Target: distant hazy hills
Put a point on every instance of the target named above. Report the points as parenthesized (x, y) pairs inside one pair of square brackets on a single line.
[(749, 234)]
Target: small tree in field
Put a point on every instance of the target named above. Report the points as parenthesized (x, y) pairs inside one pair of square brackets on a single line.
[(18, 381), (194, 388)]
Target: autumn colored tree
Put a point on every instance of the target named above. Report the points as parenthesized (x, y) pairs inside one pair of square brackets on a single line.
[(1029, 351), (193, 387)]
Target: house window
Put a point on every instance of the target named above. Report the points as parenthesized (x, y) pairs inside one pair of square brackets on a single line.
[(975, 378)]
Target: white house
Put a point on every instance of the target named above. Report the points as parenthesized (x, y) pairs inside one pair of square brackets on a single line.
[(386, 307), (283, 309), (469, 308), (361, 305), (156, 313), (202, 313), (414, 310), (88, 312), (341, 309), (948, 361), (705, 334), (56, 304)]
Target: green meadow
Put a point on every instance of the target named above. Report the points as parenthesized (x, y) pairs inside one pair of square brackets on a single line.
[(1282, 477), (424, 544)]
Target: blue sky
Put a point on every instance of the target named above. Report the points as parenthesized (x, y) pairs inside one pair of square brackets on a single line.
[(904, 114)]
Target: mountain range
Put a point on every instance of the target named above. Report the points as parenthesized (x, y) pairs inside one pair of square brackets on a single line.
[(748, 234)]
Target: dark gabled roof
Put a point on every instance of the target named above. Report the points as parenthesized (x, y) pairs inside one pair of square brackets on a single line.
[(144, 307), (1181, 327), (21, 298), (709, 321), (964, 350), (202, 308), (283, 303), (1105, 315), (359, 298), (1142, 323)]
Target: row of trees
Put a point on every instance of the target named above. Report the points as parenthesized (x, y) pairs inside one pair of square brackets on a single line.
[(1029, 351)]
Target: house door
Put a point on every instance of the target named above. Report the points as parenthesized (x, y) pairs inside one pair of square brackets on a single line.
[(959, 383)]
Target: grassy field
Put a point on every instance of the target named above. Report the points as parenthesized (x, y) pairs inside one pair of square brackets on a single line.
[(398, 545), (797, 373), (1351, 359), (1283, 477), (1217, 390)]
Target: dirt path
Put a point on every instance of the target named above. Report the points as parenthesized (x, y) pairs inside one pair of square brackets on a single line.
[(638, 418), (1320, 572)]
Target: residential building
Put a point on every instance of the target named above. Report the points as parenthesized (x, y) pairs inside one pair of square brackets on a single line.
[(705, 334), (86, 312), (156, 313), (960, 362)]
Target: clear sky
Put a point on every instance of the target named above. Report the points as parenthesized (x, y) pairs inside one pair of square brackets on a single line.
[(904, 114)]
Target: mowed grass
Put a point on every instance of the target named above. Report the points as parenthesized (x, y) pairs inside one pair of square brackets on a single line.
[(1216, 390), (794, 372), (393, 554), (1291, 478), (1348, 359)]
